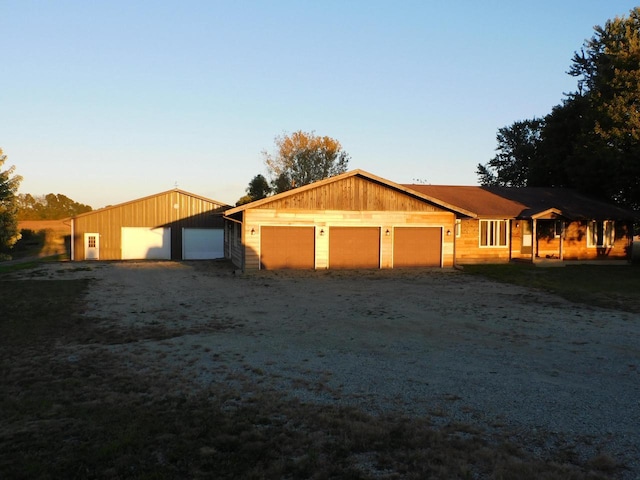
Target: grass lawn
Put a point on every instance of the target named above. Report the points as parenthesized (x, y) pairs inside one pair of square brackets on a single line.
[(66, 418), (608, 286)]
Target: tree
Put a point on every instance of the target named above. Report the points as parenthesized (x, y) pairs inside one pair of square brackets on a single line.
[(258, 189), (517, 151), (591, 141), (608, 71), (9, 184), (303, 158)]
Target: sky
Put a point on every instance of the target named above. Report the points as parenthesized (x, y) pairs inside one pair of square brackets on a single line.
[(109, 101)]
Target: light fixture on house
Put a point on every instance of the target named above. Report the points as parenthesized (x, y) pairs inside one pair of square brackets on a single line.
[(387, 232), (253, 231), (322, 232), (448, 233)]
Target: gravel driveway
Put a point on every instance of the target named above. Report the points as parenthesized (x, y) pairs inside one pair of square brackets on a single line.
[(439, 343)]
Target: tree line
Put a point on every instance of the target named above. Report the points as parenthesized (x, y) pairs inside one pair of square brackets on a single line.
[(48, 207), (591, 140), (15, 207)]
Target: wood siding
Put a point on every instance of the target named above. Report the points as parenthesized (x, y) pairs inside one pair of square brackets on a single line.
[(469, 251), (173, 209), (574, 244), (323, 220), (351, 194)]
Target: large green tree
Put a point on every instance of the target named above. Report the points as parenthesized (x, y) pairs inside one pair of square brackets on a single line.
[(258, 189), (517, 151), (9, 184), (303, 158), (591, 141)]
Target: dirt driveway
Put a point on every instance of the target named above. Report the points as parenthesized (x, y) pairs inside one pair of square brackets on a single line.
[(438, 343)]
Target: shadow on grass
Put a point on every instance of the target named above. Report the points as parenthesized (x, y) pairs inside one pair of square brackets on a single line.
[(607, 286)]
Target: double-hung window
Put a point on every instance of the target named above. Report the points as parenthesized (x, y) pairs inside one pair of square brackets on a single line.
[(494, 233), (600, 233)]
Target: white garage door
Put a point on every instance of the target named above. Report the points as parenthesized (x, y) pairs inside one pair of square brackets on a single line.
[(146, 243), (202, 243)]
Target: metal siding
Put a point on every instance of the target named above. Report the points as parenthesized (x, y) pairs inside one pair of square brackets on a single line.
[(153, 212)]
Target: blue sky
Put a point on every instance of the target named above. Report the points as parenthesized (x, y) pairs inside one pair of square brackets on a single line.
[(110, 101)]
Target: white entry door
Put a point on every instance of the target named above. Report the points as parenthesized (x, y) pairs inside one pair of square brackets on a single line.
[(91, 246)]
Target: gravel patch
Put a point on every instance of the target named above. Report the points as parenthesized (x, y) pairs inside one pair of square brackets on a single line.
[(454, 347)]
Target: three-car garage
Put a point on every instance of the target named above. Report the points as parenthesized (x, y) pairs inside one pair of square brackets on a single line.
[(351, 221)]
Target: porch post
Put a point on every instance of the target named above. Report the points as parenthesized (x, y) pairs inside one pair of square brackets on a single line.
[(534, 241)]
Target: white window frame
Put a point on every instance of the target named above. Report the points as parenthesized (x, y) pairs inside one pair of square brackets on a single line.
[(608, 229), (494, 233), (458, 227)]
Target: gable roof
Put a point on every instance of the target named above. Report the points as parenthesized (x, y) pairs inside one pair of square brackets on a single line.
[(353, 173), (174, 190), (525, 202)]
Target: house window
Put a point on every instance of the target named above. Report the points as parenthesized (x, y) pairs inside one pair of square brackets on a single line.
[(558, 229), (458, 228), (493, 233), (600, 233)]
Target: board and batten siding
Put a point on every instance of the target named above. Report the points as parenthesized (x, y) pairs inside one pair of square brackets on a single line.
[(353, 194), (174, 209), (323, 220)]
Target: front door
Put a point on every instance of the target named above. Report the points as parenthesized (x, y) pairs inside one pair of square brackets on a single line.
[(91, 246)]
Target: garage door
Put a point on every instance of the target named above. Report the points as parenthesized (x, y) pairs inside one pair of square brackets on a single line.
[(146, 243), (417, 247), (354, 247), (202, 243), (287, 247)]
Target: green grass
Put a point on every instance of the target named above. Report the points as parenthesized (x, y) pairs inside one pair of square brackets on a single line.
[(609, 286), (71, 409)]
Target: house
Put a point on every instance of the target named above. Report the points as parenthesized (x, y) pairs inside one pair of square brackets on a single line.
[(533, 223), (174, 225), (353, 220)]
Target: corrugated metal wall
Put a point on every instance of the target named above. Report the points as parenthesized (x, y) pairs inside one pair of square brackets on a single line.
[(175, 209)]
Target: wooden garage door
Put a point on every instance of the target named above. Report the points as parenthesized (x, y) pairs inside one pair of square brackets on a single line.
[(287, 247), (354, 247), (417, 247)]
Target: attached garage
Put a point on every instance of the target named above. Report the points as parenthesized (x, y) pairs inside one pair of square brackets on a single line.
[(417, 247), (354, 247), (202, 243), (352, 220), (172, 225), (287, 247)]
